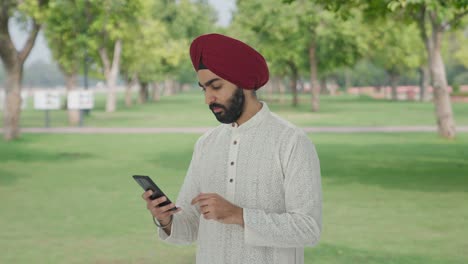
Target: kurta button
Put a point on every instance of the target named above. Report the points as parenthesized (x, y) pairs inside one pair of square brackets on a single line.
[(232, 162), (231, 180), (235, 142)]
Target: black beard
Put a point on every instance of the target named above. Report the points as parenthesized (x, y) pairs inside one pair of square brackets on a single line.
[(235, 109)]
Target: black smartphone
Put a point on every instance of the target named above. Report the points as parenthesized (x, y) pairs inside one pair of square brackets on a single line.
[(147, 184)]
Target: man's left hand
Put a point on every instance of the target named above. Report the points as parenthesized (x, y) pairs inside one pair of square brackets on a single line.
[(213, 206)]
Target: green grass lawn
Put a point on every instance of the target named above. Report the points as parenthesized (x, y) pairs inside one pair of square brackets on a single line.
[(189, 110), (388, 198)]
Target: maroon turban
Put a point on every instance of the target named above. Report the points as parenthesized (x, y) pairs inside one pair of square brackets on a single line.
[(230, 59)]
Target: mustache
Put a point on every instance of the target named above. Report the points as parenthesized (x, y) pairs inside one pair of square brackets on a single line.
[(213, 105)]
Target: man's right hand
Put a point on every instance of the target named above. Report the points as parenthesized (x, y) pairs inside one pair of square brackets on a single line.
[(162, 214)]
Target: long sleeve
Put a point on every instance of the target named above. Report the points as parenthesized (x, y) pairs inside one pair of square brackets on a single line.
[(301, 224), (184, 228)]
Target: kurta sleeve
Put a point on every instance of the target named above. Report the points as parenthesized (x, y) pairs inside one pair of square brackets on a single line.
[(184, 229), (301, 224)]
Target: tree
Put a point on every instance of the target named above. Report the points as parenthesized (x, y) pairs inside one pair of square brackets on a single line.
[(271, 27), (298, 36), (32, 13), (65, 31), (166, 29), (150, 36), (434, 18), (441, 16), (394, 47), (184, 20), (457, 46), (110, 22)]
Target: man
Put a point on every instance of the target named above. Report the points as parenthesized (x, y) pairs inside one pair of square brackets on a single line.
[(252, 193)]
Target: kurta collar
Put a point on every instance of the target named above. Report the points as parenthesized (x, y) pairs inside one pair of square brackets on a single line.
[(253, 121)]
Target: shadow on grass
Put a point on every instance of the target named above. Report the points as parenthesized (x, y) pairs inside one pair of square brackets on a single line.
[(420, 167), (329, 253), (175, 159), (25, 154), (20, 152), (8, 177)]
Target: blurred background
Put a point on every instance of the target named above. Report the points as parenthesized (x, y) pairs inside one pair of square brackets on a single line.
[(94, 91)]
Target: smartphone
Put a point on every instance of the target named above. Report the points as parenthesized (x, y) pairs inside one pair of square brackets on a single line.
[(147, 184)]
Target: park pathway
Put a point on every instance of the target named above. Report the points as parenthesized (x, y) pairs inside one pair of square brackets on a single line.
[(200, 130)]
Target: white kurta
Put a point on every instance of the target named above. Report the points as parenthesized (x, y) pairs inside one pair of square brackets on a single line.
[(266, 166)]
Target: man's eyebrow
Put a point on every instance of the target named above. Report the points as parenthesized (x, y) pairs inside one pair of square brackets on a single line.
[(208, 83)]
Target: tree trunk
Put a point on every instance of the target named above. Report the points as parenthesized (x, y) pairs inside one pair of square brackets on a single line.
[(128, 90), (282, 90), (177, 87), (394, 84), (168, 87), (275, 86), (334, 87), (443, 105), (293, 82), (348, 81), (269, 96), (156, 92), (12, 107), (13, 60), (70, 84), (323, 86), (111, 72), (144, 93), (128, 94), (315, 87), (424, 81)]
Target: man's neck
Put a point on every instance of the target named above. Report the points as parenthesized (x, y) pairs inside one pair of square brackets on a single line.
[(251, 108)]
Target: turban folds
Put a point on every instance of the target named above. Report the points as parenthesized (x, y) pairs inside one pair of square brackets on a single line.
[(230, 59)]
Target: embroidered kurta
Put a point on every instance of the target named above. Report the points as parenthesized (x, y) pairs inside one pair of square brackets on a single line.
[(268, 167)]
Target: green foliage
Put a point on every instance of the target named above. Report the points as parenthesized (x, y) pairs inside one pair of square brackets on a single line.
[(395, 46), (33, 9), (461, 52), (65, 30), (454, 48), (460, 79), (367, 73), (77, 29), (164, 34), (446, 13), (284, 32), (272, 29)]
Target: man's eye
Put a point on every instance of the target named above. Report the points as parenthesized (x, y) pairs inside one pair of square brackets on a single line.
[(216, 87)]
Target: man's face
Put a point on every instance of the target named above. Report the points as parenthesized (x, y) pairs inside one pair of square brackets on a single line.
[(224, 98)]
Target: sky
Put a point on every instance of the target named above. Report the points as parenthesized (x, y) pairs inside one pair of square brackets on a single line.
[(41, 52)]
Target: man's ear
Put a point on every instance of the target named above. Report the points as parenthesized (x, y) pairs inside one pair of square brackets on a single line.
[(250, 93)]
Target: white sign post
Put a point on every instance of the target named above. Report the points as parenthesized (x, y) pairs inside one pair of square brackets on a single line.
[(80, 100), (47, 100)]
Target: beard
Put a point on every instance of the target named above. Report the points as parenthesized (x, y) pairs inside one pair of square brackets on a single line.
[(231, 113)]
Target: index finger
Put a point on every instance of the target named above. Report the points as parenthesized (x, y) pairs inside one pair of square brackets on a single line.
[(201, 197), (147, 194)]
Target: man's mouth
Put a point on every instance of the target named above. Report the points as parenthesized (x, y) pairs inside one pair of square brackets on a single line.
[(217, 109)]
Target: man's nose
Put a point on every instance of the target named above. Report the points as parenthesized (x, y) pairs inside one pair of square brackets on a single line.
[(209, 98)]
